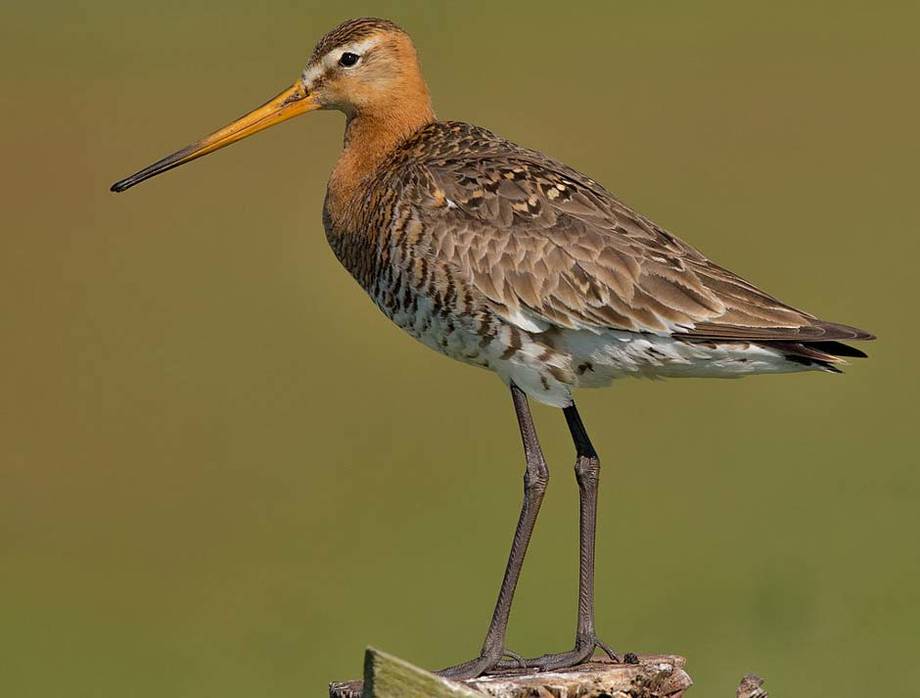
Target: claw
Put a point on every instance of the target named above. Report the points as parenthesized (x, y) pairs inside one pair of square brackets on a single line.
[(518, 659)]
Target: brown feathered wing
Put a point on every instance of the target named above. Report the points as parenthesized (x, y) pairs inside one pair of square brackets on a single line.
[(550, 247)]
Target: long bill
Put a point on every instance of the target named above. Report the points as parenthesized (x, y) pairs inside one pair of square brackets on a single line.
[(290, 103)]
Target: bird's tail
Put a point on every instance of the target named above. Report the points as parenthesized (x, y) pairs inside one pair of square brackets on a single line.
[(827, 355)]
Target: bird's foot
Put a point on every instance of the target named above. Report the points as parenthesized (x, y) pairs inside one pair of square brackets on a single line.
[(483, 664), (583, 652)]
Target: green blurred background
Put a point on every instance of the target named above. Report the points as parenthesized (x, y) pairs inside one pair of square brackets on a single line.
[(224, 472)]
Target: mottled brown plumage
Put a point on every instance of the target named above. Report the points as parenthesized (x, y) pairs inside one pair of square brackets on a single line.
[(499, 256), (526, 234)]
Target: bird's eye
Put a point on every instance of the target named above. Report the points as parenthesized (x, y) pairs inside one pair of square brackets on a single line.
[(347, 60)]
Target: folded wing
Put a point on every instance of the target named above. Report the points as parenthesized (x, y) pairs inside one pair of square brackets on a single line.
[(550, 247)]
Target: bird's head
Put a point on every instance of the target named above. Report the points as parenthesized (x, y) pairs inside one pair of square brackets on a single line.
[(364, 67)]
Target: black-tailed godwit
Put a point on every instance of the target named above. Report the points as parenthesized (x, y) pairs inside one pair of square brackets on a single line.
[(501, 257)]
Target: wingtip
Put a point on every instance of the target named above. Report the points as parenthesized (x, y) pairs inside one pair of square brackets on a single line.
[(847, 332)]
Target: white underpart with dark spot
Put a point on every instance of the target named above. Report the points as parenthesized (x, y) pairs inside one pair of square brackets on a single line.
[(596, 359)]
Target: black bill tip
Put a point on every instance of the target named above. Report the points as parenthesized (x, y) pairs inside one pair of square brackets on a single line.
[(138, 177), (180, 157)]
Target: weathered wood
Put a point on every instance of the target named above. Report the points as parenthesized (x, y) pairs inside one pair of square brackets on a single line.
[(386, 676), (655, 676)]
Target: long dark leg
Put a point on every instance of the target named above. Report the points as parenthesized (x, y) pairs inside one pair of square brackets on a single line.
[(536, 477), (587, 469)]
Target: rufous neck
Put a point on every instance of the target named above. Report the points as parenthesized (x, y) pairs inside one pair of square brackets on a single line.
[(373, 133)]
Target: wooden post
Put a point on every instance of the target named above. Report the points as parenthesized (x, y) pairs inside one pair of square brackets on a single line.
[(655, 676)]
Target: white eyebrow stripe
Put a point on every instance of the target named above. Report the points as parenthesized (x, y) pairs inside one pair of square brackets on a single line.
[(328, 61), (359, 47)]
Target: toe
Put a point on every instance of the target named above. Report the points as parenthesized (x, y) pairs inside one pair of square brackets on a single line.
[(608, 651), (477, 667)]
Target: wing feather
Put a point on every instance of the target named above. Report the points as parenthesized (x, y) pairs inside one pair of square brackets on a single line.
[(548, 246)]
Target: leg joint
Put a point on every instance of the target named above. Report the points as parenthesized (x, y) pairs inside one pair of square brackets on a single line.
[(536, 478), (587, 469)]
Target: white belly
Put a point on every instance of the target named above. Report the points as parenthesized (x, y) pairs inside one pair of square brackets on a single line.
[(614, 354), (595, 360)]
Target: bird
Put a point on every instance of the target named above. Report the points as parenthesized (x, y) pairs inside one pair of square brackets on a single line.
[(501, 257)]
